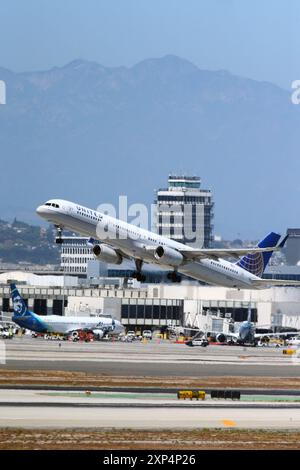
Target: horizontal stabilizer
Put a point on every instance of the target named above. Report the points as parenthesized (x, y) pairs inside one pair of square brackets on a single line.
[(274, 282)]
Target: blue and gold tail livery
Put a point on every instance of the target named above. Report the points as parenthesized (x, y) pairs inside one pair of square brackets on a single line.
[(256, 263)]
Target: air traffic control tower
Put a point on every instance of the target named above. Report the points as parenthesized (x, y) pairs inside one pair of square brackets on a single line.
[(184, 211)]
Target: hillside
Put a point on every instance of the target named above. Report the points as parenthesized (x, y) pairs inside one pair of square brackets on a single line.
[(88, 133), (20, 241)]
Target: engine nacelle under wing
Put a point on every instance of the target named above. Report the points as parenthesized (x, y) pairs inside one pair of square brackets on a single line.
[(107, 254), (168, 256), (221, 338)]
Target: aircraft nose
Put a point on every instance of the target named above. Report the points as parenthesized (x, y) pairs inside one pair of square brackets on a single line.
[(39, 210)]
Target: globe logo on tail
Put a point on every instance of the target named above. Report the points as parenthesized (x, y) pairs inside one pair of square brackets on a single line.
[(19, 306), (254, 263)]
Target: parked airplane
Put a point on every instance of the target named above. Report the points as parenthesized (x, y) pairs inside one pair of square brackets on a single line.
[(65, 325), (247, 335), (244, 336), (295, 341), (123, 240)]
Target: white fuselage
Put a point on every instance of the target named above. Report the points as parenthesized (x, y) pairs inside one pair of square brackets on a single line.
[(64, 324), (138, 243)]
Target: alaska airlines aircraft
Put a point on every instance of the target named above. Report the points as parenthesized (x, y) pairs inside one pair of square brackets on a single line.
[(65, 325), (122, 240)]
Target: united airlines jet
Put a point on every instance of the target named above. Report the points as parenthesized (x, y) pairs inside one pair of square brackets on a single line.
[(121, 240)]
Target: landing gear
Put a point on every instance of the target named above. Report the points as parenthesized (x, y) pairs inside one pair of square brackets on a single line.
[(174, 277), (140, 277), (58, 239), (138, 273)]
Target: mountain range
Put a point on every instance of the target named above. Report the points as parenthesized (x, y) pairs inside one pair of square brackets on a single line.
[(90, 133)]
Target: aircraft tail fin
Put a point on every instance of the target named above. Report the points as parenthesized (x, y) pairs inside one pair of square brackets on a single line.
[(249, 313), (256, 263), (19, 306)]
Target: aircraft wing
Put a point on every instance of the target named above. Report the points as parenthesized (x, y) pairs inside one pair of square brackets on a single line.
[(283, 333), (231, 335), (73, 328), (274, 283), (216, 253)]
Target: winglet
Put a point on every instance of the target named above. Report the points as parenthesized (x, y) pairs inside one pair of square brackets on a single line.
[(282, 243)]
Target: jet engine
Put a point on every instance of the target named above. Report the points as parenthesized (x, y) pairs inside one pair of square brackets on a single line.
[(168, 256), (107, 254), (74, 335), (221, 338)]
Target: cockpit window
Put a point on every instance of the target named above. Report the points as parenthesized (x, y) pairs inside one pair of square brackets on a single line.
[(52, 204)]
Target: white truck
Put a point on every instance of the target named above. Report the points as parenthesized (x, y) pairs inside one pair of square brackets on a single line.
[(6, 333), (147, 334)]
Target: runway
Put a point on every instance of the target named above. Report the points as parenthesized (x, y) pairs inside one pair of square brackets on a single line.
[(26, 408), (44, 410), (145, 418), (155, 358)]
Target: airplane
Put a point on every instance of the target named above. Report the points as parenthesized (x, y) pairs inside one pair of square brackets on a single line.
[(66, 325), (295, 341), (121, 240), (245, 335)]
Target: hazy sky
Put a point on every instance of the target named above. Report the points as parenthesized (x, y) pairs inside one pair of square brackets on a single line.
[(255, 38)]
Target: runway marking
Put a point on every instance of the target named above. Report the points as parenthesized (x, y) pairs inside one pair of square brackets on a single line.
[(228, 423)]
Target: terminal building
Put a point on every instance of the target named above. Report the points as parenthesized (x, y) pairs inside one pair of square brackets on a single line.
[(184, 211), (154, 306)]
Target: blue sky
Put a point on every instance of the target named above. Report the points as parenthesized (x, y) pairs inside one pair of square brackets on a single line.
[(255, 38)]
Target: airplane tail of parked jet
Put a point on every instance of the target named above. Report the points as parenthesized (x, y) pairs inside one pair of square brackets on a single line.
[(256, 263), (19, 306), (22, 316)]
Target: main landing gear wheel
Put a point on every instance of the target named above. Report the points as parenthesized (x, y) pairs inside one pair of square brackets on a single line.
[(58, 239), (174, 276), (138, 275)]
